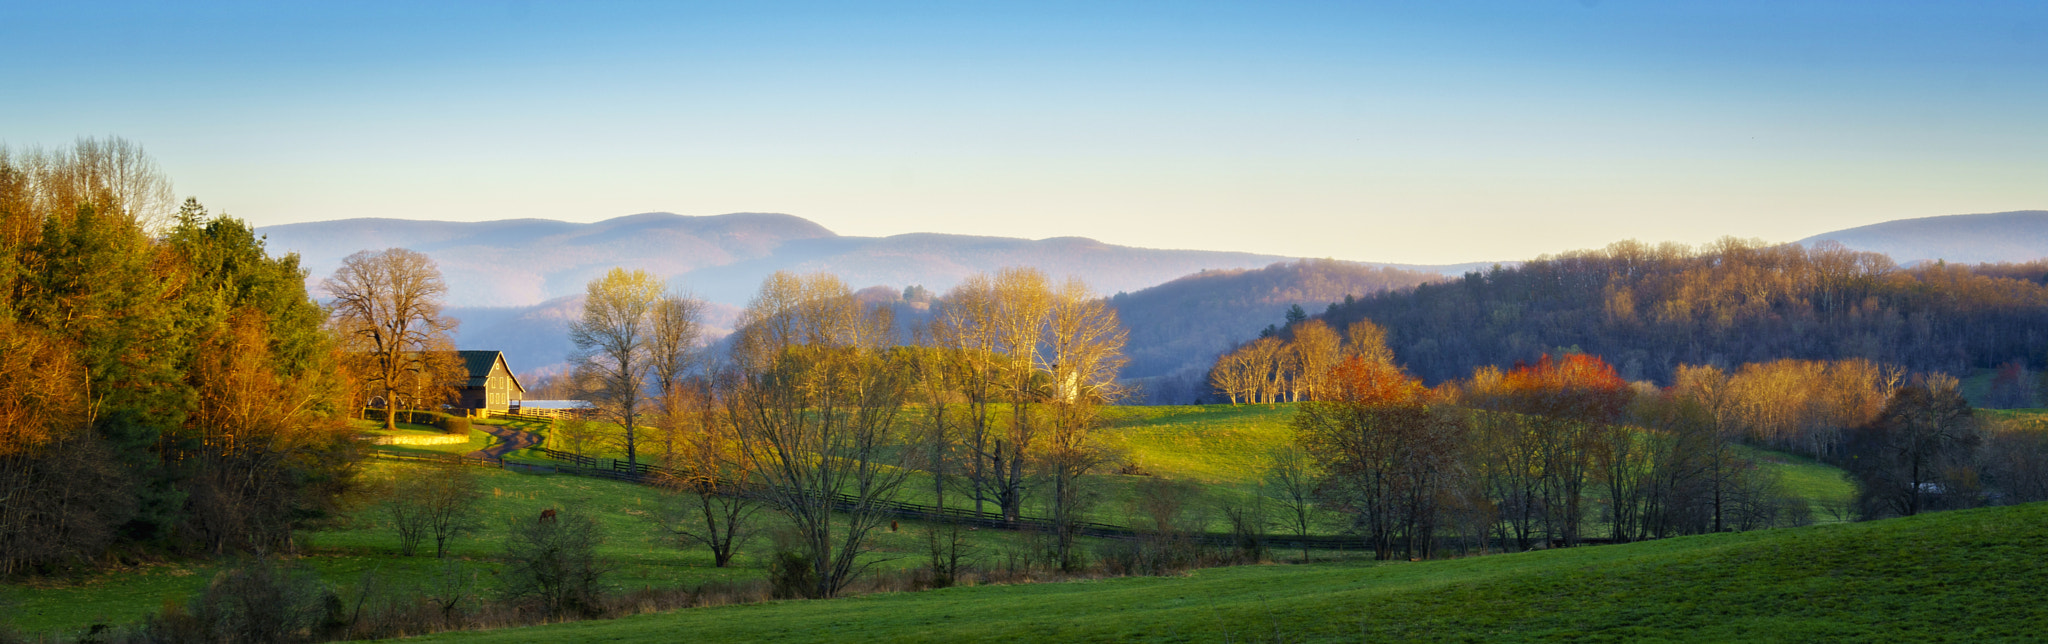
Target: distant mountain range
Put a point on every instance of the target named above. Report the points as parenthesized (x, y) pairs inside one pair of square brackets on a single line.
[(723, 258), (2018, 236), (517, 283)]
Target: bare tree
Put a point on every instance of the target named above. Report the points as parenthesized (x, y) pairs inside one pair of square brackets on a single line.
[(813, 403), (965, 331), (387, 308), (705, 501), (1316, 349), (1291, 481), (613, 342), (1022, 302), (1082, 351)]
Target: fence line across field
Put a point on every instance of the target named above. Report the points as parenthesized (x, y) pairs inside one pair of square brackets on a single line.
[(645, 474)]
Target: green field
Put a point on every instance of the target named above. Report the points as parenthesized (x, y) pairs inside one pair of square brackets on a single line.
[(344, 555), (1223, 448), (1971, 575)]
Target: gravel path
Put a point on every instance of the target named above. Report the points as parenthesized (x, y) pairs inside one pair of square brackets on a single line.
[(509, 440)]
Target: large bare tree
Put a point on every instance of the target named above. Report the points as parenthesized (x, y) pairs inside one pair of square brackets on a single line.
[(813, 398), (387, 309)]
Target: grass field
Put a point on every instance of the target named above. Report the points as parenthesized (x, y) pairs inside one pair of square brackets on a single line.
[(1970, 575), (1223, 448), (344, 554)]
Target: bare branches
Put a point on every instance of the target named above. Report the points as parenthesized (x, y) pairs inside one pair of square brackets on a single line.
[(386, 309)]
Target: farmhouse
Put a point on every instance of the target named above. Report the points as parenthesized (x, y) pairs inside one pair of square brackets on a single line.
[(490, 388)]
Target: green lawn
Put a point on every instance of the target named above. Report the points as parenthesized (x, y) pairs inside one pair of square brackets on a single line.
[(1221, 447), (1970, 575), (343, 555)]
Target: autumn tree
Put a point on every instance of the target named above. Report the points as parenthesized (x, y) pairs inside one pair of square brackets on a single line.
[(387, 310), (1390, 454), (1022, 304), (1317, 349), (707, 498), (681, 391), (631, 333), (1568, 405), (172, 387)]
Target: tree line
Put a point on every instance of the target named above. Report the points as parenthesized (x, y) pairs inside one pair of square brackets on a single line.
[(165, 383), (1650, 309), (1563, 449), (824, 404)]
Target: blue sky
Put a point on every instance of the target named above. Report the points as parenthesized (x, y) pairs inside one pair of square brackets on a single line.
[(1384, 131)]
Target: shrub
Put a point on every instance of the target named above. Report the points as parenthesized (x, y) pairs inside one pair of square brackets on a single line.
[(790, 576), (258, 601), (553, 561), (455, 424)]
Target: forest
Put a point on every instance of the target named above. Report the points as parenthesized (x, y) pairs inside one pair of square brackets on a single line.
[(1650, 309), (167, 385)]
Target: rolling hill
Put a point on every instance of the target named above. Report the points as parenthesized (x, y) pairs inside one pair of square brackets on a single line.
[(1178, 328), (2017, 236)]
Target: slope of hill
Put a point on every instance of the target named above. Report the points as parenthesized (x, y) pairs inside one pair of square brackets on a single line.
[(1182, 325), (1964, 575), (2018, 236)]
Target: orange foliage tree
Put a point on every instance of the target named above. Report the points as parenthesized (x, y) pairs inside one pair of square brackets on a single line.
[(1393, 457)]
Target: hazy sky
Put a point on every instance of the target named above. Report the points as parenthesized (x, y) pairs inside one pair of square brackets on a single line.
[(1383, 131)]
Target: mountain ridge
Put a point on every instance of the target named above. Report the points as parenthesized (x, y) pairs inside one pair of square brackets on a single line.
[(2011, 236)]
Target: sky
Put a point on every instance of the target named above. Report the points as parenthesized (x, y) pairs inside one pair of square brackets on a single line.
[(1413, 132)]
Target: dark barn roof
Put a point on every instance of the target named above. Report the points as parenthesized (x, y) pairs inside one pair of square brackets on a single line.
[(479, 364)]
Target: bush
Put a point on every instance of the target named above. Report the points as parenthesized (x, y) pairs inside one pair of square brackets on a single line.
[(791, 576), (455, 424), (553, 561), (258, 601)]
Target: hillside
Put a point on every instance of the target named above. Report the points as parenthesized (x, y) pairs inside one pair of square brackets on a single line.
[(1181, 326), (1648, 310), (1965, 575), (2019, 236)]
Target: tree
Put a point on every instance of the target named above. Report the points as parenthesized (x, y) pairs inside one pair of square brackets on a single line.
[(707, 499), (1391, 456), (964, 331), (1290, 480), (676, 326), (1567, 405), (614, 346), (1022, 303), (1919, 452), (813, 399), (1083, 349), (1316, 349), (387, 308)]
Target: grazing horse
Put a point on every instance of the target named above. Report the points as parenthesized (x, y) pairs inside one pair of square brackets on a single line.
[(547, 516)]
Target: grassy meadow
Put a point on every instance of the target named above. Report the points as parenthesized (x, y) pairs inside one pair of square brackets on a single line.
[(1220, 447), (1971, 575)]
